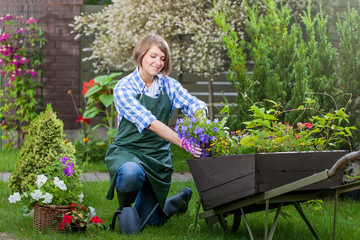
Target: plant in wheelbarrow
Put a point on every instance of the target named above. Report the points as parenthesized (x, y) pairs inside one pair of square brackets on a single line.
[(267, 153)]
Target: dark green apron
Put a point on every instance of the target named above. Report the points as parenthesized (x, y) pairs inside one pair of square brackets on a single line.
[(147, 149)]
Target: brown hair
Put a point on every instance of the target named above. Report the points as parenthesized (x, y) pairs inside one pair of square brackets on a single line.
[(143, 46)]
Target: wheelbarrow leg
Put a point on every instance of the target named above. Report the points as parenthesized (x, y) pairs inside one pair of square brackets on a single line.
[(236, 221), (335, 211), (302, 214), (266, 219), (273, 227), (247, 224)]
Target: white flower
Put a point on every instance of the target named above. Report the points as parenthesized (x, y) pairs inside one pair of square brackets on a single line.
[(36, 195), (41, 180), (60, 184), (81, 197), (92, 211), (14, 198), (47, 198)]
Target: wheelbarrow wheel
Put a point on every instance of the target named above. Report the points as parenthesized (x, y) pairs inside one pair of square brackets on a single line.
[(224, 223)]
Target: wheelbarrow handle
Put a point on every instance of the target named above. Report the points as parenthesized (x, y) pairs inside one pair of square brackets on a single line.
[(341, 162)]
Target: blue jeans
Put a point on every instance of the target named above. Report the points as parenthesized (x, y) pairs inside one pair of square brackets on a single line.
[(130, 178)]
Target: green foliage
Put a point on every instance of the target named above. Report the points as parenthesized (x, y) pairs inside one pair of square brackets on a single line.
[(289, 64), (101, 93), (349, 62), (91, 150), (43, 145)]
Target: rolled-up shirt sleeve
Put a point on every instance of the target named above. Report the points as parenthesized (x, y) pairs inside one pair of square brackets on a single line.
[(182, 99), (130, 108)]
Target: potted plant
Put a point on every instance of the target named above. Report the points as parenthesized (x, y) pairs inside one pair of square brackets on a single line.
[(265, 155), (78, 218), (51, 194)]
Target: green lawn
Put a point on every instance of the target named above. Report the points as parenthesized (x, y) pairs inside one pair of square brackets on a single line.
[(9, 158), (289, 227)]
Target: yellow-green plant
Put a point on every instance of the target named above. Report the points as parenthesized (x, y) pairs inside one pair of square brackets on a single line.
[(44, 144)]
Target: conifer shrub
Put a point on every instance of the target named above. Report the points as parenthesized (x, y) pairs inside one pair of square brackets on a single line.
[(44, 144)]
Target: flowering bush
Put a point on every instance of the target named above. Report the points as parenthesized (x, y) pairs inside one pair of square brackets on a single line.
[(263, 133), (19, 60), (58, 186), (78, 216)]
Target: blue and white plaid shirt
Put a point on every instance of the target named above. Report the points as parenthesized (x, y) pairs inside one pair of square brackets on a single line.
[(129, 107)]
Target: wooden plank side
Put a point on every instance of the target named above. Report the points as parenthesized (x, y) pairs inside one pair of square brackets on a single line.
[(275, 170), (297, 161), (278, 180), (215, 171), (229, 192)]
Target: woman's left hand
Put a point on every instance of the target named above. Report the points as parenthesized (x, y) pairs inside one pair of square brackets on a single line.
[(191, 147)]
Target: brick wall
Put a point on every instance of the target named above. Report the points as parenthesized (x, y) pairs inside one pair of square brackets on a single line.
[(61, 58)]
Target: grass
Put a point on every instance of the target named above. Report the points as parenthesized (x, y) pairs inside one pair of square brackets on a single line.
[(9, 158), (291, 227)]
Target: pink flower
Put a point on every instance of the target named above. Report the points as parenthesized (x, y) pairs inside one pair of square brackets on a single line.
[(21, 30), (32, 72), (297, 136), (4, 37), (31, 20)]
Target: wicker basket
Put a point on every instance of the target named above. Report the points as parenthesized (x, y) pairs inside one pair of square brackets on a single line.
[(48, 217)]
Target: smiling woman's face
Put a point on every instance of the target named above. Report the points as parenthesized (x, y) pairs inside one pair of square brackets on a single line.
[(152, 63)]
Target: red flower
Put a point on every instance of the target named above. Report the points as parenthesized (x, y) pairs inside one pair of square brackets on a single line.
[(73, 205), (82, 207), (62, 225), (87, 121), (67, 219), (82, 119), (87, 86), (96, 220)]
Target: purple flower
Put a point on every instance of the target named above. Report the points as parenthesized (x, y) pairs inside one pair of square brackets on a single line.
[(190, 125), (193, 119), (176, 128), (179, 121), (183, 128), (64, 159), (212, 138), (198, 130), (215, 129), (68, 171), (204, 138), (208, 121), (216, 120)]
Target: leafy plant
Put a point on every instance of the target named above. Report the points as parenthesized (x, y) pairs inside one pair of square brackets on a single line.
[(100, 99), (19, 63)]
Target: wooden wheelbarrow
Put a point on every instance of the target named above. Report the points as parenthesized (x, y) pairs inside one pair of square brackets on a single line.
[(287, 194)]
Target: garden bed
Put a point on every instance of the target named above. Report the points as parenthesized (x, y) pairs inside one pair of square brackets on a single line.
[(221, 180)]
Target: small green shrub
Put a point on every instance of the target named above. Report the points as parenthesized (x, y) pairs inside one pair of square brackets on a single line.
[(43, 145)]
